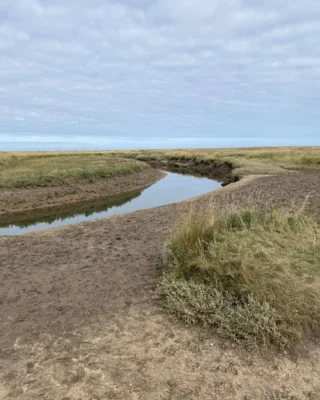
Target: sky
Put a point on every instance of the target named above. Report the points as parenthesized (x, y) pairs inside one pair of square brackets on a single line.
[(117, 74)]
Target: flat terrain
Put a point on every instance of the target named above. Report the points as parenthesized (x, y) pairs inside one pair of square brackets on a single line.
[(40, 180), (81, 318)]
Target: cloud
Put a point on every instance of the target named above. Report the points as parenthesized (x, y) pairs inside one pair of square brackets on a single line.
[(169, 68)]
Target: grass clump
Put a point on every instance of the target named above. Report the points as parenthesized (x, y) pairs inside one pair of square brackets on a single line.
[(252, 276)]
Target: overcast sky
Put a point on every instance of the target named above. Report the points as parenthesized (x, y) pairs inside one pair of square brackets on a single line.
[(161, 73)]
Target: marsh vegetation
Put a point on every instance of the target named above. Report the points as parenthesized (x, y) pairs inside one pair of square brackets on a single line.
[(244, 161), (252, 276), (24, 169), (18, 170)]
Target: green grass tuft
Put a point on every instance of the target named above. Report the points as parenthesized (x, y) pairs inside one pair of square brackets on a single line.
[(253, 276)]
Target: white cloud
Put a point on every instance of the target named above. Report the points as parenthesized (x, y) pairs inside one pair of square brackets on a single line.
[(164, 68)]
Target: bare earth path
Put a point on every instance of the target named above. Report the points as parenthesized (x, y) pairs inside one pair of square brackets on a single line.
[(80, 318)]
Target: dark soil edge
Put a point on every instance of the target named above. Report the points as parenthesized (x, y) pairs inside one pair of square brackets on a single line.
[(218, 170)]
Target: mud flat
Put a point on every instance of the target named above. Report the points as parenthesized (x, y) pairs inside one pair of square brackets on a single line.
[(81, 319), (22, 200)]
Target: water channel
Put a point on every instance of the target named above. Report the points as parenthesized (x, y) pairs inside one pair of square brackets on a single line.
[(174, 187)]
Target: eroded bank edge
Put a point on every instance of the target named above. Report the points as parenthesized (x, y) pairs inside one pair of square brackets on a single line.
[(218, 170)]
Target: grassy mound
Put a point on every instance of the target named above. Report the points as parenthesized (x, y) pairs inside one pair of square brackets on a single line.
[(253, 276), (41, 169)]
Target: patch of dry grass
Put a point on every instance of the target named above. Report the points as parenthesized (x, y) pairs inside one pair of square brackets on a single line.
[(47, 169), (253, 276)]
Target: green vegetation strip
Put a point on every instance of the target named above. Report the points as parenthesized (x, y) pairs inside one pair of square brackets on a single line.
[(17, 171), (254, 277)]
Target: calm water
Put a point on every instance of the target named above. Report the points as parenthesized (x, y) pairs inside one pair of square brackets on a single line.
[(171, 189)]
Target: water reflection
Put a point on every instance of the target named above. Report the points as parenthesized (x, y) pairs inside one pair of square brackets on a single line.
[(174, 187), (60, 214)]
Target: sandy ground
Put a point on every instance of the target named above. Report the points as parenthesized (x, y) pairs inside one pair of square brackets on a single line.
[(81, 319), (13, 201)]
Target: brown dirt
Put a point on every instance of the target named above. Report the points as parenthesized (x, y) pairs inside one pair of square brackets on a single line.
[(80, 318), (13, 201)]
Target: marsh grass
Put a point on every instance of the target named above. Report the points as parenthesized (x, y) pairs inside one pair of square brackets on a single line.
[(42, 169), (252, 276), (263, 160)]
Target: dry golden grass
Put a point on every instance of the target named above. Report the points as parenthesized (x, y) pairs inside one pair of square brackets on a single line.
[(252, 276)]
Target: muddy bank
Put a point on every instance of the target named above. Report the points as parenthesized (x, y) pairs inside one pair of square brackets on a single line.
[(14, 202), (67, 211), (80, 317), (218, 170)]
